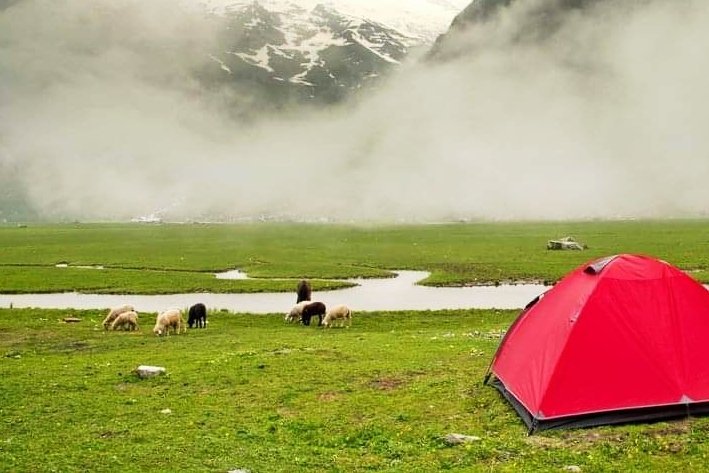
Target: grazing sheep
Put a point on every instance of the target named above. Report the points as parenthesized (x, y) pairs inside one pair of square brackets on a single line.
[(166, 320), (197, 316), (339, 313), (296, 312), (126, 320), (304, 291), (115, 312), (314, 308)]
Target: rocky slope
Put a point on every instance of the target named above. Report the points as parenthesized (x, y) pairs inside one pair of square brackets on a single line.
[(540, 20), (287, 54)]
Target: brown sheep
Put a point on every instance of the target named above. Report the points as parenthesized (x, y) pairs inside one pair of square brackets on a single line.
[(171, 318), (304, 291), (125, 320), (339, 313), (115, 312)]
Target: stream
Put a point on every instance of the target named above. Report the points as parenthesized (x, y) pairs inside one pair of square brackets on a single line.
[(386, 294)]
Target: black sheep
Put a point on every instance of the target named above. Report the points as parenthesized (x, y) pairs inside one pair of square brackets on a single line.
[(197, 316), (303, 291), (314, 308)]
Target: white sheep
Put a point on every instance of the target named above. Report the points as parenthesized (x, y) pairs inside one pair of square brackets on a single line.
[(126, 320), (166, 320), (296, 312), (115, 312), (339, 313)]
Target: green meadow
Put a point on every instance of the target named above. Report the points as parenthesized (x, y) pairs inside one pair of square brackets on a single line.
[(168, 258), (251, 392)]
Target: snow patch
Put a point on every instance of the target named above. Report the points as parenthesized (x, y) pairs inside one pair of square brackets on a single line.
[(424, 19), (260, 58), (223, 66)]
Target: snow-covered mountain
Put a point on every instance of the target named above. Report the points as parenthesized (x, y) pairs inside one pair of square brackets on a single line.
[(281, 52), (422, 19)]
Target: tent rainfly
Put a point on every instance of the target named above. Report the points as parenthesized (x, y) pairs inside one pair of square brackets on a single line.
[(622, 339)]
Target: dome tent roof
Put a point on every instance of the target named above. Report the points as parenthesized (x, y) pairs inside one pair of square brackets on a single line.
[(619, 339)]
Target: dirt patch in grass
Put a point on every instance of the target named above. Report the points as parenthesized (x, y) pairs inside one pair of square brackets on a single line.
[(77, 345), (595, 437), (672, 435), (679, 427), (328, 396), (107, 434), (288, 413), (329, 354), (282, 351), (544, 442), (386, 384)]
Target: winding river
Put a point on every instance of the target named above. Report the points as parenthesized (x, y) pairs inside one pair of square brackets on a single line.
[(399, 293)]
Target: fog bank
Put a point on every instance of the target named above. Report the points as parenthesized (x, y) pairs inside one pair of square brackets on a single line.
[(102, 116)]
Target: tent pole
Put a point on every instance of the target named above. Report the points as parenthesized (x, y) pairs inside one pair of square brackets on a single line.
[(533, 427)]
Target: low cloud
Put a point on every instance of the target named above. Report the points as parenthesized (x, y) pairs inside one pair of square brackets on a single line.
[(101, 117)]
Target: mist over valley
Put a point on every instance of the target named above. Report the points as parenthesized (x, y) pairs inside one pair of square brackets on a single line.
[(526, 109)]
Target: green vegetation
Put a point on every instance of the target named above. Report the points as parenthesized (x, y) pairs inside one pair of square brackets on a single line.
[(182, 257), (255, 393), (21, 279), (252, 392)]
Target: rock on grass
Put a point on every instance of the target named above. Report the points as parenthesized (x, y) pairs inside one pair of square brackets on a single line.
[(457, 439), (145, 371)]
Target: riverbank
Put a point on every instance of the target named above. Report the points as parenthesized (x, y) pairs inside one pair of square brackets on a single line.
[(385, 294)]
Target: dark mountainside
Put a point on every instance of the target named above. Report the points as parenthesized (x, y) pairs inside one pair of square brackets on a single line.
[(299, 57), (14, 202), (541, 21)]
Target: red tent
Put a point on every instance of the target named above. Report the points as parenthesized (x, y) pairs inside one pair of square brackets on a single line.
[(621, 339)]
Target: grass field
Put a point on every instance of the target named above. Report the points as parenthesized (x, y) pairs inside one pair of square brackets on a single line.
[(254, 393), (182, 257)]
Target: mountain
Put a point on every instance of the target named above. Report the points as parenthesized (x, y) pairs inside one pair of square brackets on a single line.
[(14, 202), (423, 19), (274, 53), (293, 54), (541, 20)]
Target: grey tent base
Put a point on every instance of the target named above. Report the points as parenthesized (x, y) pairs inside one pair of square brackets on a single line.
[(625, 416)]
